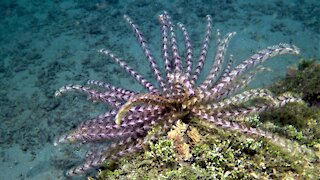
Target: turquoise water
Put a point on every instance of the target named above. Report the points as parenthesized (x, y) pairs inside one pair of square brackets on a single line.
[(48, 44)]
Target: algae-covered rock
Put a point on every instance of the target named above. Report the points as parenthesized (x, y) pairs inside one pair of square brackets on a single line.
[(303, 79), (299, 121), (219, 154), (201, 151)]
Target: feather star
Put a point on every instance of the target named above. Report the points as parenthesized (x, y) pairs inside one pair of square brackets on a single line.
[(176, 96)]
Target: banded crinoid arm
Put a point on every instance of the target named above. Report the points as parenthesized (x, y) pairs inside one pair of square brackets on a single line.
[(165, 19), (96, 159), (165, 54), (134, 125), (161, 128), (120, 93), (237, 99), (189, 53), (203, 51), (101, 120), (111, 132), (151, 99), (122, 148), (186, 73), (220, 122), (183, 88), (92, 94), (146, 84), (227, 70), (254, 60), (241, 83), (291, 147), (275, 102), (108, 117), (177, 64), (197, 100), (218, 61), (147, 52)]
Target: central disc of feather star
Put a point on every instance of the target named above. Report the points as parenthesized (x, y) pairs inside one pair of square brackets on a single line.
[(176, 102), (215, 100)]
